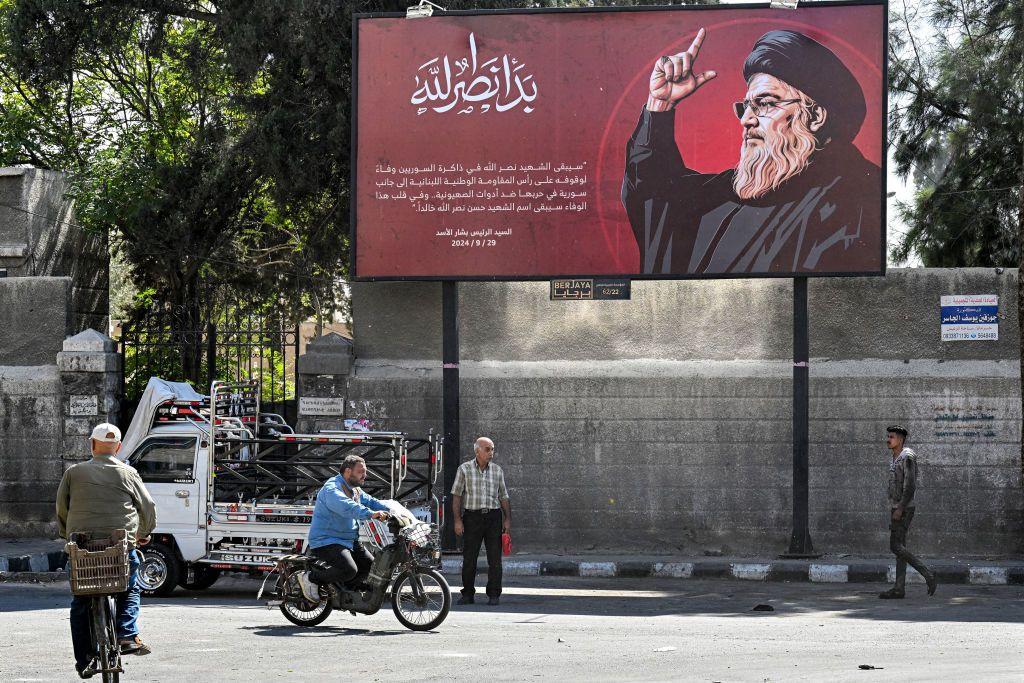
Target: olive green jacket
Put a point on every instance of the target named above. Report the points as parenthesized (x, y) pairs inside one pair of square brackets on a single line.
[(104, 494)]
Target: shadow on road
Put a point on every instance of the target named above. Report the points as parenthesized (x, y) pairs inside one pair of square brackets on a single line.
[(317, 631), (525, 599), (653, 597)]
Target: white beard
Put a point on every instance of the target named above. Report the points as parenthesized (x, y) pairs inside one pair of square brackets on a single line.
[(781, 156)]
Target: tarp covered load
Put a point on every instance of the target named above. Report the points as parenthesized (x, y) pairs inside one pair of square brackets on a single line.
[(157, 391)]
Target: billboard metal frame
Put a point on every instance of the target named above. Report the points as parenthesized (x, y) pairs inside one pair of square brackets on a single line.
[(357, 17)]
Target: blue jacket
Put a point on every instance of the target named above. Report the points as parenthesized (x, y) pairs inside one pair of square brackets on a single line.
[(336, 516)]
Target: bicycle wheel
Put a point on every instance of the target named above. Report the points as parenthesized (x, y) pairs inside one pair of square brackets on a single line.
[(421, 599), (108, 650)]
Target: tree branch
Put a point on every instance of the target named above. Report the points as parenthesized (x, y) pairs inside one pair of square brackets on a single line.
[(159, 6)]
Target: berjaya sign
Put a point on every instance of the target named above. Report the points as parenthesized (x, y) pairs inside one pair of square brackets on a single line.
[(590, 289), (686, 142), (970, 317)]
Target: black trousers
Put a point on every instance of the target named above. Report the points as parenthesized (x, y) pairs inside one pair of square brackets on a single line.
[(481, 528), (898, 545), (344, 565)]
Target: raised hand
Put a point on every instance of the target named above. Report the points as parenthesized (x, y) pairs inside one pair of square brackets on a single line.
[(674, 79)]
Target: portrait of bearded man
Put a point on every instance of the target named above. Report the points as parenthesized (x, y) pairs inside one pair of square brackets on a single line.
[(801, 198)]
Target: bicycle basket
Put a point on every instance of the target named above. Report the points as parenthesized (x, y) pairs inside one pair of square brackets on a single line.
[(99, 566), (418, 534)]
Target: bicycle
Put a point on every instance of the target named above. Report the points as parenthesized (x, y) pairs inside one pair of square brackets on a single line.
[(100, 570)]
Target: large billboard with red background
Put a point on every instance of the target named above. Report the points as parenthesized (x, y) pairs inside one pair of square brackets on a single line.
[(688, 142)]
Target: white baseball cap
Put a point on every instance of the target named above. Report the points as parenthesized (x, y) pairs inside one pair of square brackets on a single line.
[(106, 432)]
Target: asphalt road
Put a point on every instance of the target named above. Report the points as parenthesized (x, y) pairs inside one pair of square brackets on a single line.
[(557, 629)]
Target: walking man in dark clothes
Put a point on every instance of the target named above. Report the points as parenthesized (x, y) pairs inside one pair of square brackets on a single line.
[(902, 484)]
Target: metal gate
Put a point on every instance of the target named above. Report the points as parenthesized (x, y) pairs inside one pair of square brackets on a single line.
[(237, 346)]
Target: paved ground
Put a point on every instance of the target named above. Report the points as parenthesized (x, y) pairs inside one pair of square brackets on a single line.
[(574, 628)]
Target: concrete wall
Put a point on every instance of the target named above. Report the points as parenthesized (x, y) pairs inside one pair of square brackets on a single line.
[(46, 414), (35, 317), (30, 438), (664, 423), (39, 237)]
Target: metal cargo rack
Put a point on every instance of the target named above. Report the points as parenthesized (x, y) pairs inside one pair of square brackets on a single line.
[(236, 411), (288, 471)]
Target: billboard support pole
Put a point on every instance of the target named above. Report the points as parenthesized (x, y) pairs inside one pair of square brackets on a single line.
[(450, 400), (800, 542)]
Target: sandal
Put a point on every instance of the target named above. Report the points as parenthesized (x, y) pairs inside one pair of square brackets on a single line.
[(134, 646)]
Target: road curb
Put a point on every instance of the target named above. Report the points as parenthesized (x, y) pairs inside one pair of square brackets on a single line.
[(33, 577), (775, 571), (41, 562), (49, 567)]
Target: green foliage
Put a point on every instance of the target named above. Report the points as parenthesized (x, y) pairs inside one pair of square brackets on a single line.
[(208, 138), (137, 101), (957, 125)]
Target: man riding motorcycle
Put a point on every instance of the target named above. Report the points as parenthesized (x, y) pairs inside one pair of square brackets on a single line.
[(334, 532)]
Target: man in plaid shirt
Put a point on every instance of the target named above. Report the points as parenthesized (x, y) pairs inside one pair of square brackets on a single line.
[(481, 485)]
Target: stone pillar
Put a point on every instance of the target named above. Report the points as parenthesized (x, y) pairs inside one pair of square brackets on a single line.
[(323, 383), (90, 376)]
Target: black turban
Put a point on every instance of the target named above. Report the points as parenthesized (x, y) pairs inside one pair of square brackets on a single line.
[(812, 68)]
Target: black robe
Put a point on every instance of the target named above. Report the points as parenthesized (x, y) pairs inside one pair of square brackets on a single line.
[(827, 219)]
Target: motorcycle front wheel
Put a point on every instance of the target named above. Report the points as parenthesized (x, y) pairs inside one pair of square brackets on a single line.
[(300, 611), (421, 599)]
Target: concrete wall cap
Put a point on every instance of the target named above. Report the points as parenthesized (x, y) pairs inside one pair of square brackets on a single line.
[(90, 340), (332, 342), (11, 171), (325, 364), (13, 250)]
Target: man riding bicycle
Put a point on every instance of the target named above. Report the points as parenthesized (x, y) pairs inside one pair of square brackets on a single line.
[(334, 532), (99, 497)]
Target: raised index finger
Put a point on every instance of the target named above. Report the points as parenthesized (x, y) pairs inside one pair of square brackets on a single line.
[(695, 45)]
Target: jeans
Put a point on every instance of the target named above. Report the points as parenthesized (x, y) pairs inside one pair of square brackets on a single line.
[(344, 565), (127, 617), (898, 545), (481, 527)]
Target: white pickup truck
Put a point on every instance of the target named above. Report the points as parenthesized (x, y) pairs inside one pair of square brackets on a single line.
[(235, 488)]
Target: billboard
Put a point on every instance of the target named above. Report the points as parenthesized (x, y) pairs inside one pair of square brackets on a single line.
[(688, 142)]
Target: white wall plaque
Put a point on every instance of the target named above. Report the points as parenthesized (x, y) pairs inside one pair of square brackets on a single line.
[(84, 405), (321, 406)]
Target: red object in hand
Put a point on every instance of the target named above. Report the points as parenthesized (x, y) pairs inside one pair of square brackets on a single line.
[(506, 544)]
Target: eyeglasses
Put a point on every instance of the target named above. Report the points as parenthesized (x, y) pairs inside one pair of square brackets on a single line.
[(759, 106)]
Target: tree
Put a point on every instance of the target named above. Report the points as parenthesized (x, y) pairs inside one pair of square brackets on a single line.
[(241, 107), (140, 106), (958, 126), (208, 138)]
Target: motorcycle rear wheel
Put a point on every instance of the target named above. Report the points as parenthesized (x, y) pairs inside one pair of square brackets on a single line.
[(426, 612), (301, 612)]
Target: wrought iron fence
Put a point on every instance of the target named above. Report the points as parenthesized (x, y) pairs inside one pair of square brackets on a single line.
[(233, 346)]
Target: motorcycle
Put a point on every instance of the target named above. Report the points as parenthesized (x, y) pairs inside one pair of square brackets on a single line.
[(405, 568)]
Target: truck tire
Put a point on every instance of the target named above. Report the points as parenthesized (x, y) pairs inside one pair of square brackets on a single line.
[(160, 570), (203, 577)]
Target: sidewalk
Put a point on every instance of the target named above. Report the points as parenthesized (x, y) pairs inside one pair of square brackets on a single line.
[(28, 558)]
